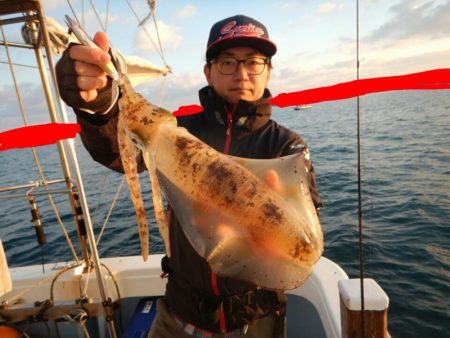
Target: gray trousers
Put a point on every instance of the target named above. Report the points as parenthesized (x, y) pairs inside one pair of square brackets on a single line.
[(165, 326)]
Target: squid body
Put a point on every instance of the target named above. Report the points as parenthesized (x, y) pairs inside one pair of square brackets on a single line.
[(250, 219)]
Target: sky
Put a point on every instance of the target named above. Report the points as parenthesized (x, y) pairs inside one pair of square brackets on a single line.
[(316, 42)]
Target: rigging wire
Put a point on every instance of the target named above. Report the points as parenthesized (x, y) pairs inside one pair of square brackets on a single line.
[(19, 65), (159, 38), (360, 211), (163, 90), (159, 50), (102, 191), (82, 13), (107, 15), (104, 180), (151, 3), (148, 34), (73, 13), (111, 209), (97, 16), (33, 149)]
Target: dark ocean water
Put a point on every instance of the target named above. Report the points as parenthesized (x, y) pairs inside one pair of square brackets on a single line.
[(406, 201)]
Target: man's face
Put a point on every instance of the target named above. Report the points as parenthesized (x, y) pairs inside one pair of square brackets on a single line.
[(240, 85)]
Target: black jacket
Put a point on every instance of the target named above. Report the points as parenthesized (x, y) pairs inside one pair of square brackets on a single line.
[(191, 292)]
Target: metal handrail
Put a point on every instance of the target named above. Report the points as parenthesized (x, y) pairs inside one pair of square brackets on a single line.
[(35, 184)]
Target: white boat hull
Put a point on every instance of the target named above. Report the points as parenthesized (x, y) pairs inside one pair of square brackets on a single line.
[(313, 309)]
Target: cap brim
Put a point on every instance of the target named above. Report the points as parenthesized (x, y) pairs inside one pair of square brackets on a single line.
[(263, 45)]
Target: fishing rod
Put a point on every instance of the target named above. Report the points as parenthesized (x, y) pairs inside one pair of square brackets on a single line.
[(360, 211)]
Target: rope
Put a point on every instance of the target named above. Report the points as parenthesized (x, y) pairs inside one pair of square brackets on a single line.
[(86, 284), (86, 332), (119, 297), (116, 286), (56, 276), (39, 283), (70, 267), (23, 292), (75, 316), (35, 156)]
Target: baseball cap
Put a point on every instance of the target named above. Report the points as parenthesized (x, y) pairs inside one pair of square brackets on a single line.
[(239, 31)]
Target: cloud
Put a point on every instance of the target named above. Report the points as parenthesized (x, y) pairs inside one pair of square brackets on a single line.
[(54, 4), (406, 64), (169, 35), (171, 93), (414, 20), (288, 79), (187, 11), (179, 90), (285, 6), (92, 21), (328, 7), (407, 42), (33, 102)]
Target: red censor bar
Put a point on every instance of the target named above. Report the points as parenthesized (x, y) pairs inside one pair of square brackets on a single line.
[(188, 110), (432, 79), (37, 135), (44, 134)]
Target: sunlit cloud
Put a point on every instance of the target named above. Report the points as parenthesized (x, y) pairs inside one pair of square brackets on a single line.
[(315, 39), (329, 7), (50, 5), (169, 35), (285, 6), (33, 102), (414, 19), (174, 91), (187, 11)]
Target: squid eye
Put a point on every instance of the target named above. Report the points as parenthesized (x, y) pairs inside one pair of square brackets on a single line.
[(136, 140)]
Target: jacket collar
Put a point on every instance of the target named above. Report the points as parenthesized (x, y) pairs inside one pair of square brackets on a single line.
[(249, 115)]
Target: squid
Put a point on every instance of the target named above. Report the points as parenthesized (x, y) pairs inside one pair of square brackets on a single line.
[(250, 219)]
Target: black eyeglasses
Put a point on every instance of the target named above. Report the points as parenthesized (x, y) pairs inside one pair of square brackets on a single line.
[(228, 65)]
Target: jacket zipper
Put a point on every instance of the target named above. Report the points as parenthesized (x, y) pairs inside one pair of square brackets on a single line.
[(222, 323), (229, 128)]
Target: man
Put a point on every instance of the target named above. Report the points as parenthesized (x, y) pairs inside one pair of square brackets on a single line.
[(235, 120)]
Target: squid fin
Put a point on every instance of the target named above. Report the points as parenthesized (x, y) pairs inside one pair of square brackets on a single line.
[(229, 248)]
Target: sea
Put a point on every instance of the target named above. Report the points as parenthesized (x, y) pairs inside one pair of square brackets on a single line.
[(405, 169)]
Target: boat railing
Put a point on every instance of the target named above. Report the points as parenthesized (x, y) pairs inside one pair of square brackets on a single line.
[(31, 13)]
